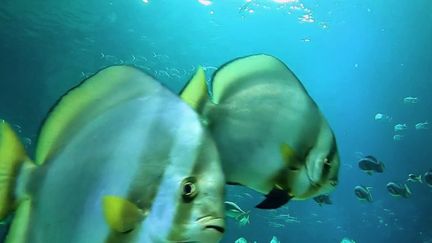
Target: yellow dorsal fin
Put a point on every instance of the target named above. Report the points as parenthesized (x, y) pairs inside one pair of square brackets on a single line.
[(195, 92), (287, 153), (81, 104), (12, 158), (120, 214)]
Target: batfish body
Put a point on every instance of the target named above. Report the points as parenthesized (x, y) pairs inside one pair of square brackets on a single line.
[(119, 159), (428, 177), (398, 190), (370, 164), (363, 193), (271, 135)]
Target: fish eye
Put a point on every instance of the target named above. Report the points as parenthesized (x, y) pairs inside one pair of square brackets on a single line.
[(189, 189)]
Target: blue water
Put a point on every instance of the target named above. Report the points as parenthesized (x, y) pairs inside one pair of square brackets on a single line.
[(355, 58)]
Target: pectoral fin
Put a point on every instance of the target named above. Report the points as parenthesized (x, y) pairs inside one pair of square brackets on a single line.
[(287, 153), (275, 199), (120, 214), (407, 189)]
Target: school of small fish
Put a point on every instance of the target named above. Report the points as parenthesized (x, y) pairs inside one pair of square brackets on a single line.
[(401, 128), (370, 165)]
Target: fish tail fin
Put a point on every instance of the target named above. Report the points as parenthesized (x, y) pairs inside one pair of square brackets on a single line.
[(246, 215), (359, 155), (407, 190), (370, 199), (195, 92), (420, 179), (13, 159)]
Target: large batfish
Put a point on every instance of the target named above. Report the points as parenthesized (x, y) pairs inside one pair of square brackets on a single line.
[(119, 159), (271, 135)]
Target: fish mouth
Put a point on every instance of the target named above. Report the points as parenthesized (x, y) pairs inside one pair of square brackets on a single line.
[(218, 228), (212, 223)]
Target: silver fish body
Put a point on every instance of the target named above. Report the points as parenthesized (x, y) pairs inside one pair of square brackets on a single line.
[(363, 193), (370, 164), (147, 147), (398, 190), (259, 108), (234, 211)]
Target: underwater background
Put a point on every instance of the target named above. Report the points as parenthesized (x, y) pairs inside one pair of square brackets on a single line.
[(355, 58)]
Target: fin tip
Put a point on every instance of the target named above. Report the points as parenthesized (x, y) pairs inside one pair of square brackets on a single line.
[(12, 158)]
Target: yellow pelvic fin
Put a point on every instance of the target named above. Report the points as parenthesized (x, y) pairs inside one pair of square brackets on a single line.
[(12, 158), (195, 92), (20, 224), (81, 104), (287, 153), (120, 214)]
